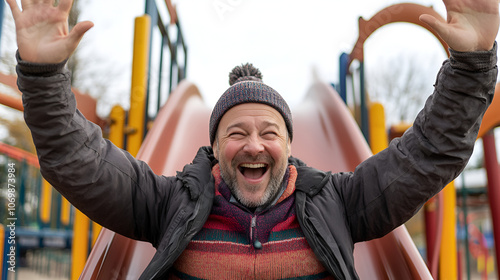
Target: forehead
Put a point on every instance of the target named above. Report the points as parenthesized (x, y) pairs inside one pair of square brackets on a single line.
[(252, 112)]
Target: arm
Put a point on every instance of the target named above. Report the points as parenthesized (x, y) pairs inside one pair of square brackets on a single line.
[(104, 182), (390, 187)]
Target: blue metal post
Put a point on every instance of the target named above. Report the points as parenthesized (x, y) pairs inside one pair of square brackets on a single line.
[(23, 217), (152, 11), (2, 4), (343, 71), (4, 266), (364, 104), (160, 70)]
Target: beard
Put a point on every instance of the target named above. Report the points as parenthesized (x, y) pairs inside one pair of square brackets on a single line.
[(228, 174)]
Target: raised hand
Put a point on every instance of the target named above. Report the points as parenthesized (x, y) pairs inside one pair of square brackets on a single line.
[(472, 25), (42, 30)]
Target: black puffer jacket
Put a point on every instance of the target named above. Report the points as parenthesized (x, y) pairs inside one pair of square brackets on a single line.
[(334, 210)]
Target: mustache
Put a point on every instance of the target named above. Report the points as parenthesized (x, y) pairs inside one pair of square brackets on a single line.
[(248, 158)]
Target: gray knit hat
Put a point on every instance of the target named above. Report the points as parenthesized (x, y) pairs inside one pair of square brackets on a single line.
[(246, 86)]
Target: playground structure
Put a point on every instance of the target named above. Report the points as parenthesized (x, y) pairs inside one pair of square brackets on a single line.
[(181, 127), (44, 219)]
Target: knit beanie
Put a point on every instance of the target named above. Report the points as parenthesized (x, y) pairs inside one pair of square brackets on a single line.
[(246, 86)]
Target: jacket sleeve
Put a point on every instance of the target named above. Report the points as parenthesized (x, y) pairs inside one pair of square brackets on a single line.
[(104, 182), (390, 187)]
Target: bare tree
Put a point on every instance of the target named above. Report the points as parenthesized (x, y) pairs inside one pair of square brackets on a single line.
[(18, 134), (8, 40), (402, 83), (87, 74), (91, 73)]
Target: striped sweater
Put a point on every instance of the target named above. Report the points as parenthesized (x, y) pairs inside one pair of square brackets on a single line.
[(236, 243)]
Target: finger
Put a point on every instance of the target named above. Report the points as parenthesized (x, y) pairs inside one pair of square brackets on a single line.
[(65, 5), (27, 3), (47, 2), (14, 8), (435, 24), (76, 34)]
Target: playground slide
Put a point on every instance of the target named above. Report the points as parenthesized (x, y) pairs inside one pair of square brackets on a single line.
[(326, 137)]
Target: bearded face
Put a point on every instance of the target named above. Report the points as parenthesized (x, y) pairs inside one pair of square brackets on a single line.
[(252, 148), (242, 165)]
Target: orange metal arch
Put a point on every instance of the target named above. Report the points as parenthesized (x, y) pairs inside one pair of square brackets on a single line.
[(404, 12), (86, 104), (172, 11), (491, 118), (11, 101), (10, 81), (19, 154)]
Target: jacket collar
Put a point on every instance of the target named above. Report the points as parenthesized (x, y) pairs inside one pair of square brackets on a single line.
[(197, 175), (309, 180)]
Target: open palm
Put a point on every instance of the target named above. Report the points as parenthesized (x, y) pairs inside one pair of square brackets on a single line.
[(42, 30), (472, 25)]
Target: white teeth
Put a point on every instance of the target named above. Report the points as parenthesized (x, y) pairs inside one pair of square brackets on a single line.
[(253, 165)]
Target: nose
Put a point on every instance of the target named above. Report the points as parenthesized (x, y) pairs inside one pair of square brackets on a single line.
[(254, 145)]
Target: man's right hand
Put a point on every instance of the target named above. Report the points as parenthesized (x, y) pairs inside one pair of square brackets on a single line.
[(42, 30), (472, 25)]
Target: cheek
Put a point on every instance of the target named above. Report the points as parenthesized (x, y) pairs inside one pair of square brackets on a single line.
[(278, 151), (229, 150)]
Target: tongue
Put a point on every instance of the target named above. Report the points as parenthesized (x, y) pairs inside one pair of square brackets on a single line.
[(253, 173)]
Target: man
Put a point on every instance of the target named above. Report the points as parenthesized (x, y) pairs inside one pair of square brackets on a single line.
[(245, 208)]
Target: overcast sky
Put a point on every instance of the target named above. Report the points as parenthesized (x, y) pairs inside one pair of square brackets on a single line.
[(285, 39)]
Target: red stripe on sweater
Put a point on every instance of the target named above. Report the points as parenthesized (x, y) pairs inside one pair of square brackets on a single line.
[(289, 223), (293, 244), (222, 223)]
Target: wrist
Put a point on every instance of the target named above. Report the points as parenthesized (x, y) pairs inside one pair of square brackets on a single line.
[(476, 61), (38, 69)]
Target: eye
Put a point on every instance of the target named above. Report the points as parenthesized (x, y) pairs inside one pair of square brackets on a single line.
[(270, 134), (236, 134)]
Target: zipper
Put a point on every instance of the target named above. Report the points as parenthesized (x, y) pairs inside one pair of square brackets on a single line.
[(253, 233), (322, 246), (179, 231)]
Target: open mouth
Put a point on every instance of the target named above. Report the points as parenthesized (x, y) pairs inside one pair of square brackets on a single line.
[(253, 170)]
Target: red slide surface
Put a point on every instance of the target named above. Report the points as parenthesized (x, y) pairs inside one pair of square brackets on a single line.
[(326, 137)]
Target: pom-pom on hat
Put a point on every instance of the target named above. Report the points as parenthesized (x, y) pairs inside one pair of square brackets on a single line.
[(246, 86)]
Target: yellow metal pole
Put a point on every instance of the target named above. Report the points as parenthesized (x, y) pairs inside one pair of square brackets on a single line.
[(448, 265), (80, 246), (378, 133), (139, 84), (46, 202), (117, 126), (65, 211)]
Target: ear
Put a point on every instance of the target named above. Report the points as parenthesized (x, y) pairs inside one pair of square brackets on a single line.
[(215, 148), (289, 148)]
